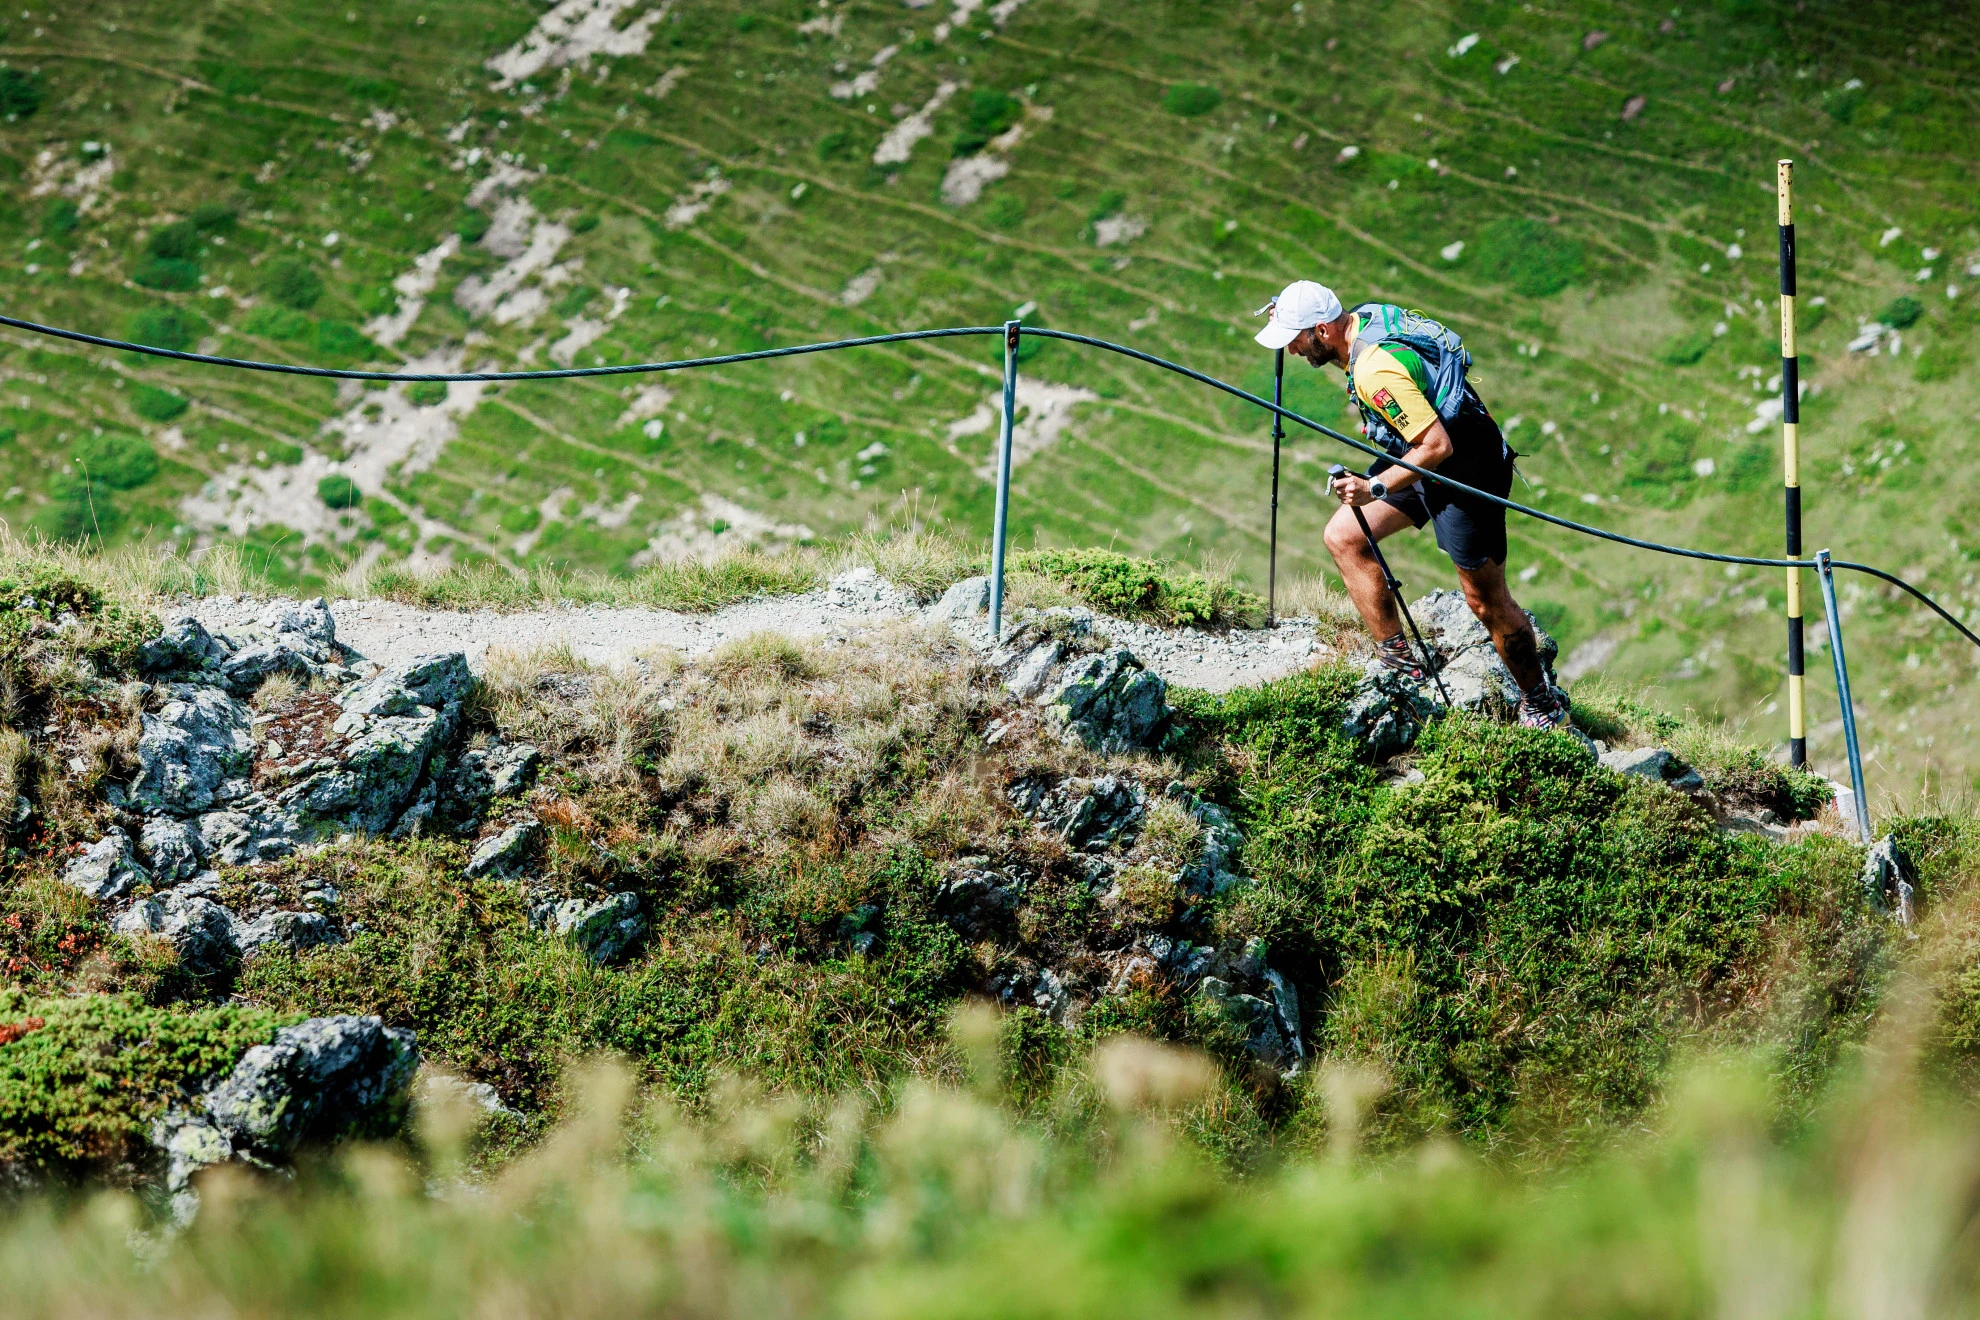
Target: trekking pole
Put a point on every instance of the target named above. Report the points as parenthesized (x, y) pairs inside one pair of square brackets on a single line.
[(1278, 435), (1389, 579)]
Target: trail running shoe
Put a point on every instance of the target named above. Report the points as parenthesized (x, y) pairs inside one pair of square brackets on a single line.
[(1395, 655), (1545, 708)]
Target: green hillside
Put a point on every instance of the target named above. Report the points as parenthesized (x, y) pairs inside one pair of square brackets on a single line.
[(631, 180)]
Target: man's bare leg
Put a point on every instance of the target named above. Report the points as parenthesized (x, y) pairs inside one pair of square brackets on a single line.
[(1363, 576), (1512, 632)]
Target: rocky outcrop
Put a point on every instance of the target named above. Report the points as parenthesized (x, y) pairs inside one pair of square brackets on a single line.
[(603, 929), (1474, 675), (287, 637), (507, 852), (199, 930), (318, 1080), (1089, 814), (1656, 765), (285, 930), (1099, 697), (195, 753)]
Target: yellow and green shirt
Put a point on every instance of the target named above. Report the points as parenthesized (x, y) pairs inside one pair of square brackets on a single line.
[(1390, 383)]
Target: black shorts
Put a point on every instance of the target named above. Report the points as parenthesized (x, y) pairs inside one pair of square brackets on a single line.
[(1470, 530)]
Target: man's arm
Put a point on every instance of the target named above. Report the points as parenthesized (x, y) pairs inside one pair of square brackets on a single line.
[(1429, 451)]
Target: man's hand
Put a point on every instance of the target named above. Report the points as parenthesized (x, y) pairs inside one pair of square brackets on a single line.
[(1352, 490)]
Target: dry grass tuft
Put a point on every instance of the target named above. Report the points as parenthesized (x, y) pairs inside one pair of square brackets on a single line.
[(275, 691)]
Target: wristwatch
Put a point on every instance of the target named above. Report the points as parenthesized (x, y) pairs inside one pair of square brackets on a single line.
[(1378, 490)]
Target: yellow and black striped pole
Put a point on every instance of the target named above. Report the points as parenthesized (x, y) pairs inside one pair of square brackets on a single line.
[(1791, 467)]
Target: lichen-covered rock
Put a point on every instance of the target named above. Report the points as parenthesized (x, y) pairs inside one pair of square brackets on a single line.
[(507, 852), (1215, 869), (1655, 764), (189, 1142), (603, 929), (1254, 1021), (1109, 702), (472, 780), (248, 668), (256, 831), (106, 869), (963, 600), (199, 930), (437, 682), (379, 773), (185, 647), (317, 1080), (978, 898), (171, 847), (1384, 713), (195, 753), (1472, 671), (284, 930), (1088, 814)]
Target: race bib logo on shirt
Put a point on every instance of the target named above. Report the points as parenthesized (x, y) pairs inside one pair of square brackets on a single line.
[(1385, 403)]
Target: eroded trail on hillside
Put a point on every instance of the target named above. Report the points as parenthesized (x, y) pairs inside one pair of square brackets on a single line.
[(858, 600)]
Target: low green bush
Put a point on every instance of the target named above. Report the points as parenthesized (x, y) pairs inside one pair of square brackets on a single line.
[(166, 274), (116, 460), (293, 283), (1903, 312), (20, 93), (164, 327), (156, 405), (1142, 589), (1191, 99), (339, 492), (987, 113), (60, 218), (1530, 256), (426, 393), (1685, 349)]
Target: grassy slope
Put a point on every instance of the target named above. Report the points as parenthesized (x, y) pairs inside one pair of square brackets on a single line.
[(1594, 251)]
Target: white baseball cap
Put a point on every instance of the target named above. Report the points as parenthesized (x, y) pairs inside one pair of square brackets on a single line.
[(1302, 305)]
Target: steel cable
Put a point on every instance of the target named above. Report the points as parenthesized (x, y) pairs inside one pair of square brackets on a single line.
[(956, 332)]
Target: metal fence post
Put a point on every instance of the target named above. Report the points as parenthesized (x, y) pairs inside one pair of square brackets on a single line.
[(1278, 434), (1842, 694), (1011, 332)]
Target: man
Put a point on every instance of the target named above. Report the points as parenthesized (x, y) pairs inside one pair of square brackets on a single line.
[(1392, 377)]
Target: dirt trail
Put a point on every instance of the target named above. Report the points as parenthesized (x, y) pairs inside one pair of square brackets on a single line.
[(857, 601)]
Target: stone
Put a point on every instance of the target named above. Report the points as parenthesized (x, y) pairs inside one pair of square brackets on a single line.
[(1032, 668), (199, 930), (481, 774), (307, 627), (189, 1143), (185, 647), (438, 682), (171, 847), (1473, 674), (23, 811), (443, 1089), (508, 852), (380, 772), (1656, 765), (317, 1080), (1888, 880), (1109, 703), (1254, 1020), (604, 929), (963, 601), (195, 753), (106, 869), (977, 898), (1215, 869), (293, 931), (1089, 814), (258, 832), (247, 669), (1385, 712)]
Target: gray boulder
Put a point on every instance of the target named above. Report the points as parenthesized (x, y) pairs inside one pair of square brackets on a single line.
[(977, 898), (507, 852), (317, 1080), (1110, 703), (1089, 814), (1255, 1021), (963, 601), (603, 929), (436, 682), (199, 930), (471, 780), (306, 627), (380, 772), (293, 931), (1385, 712), (1215, 869), (172, 848), (194, 754), (1656, 765), (185, 647), (1472, 671), (107, 869), (248, 668), (255, 831)]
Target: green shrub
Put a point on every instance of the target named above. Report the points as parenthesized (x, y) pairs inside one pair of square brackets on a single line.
[(1191, 99), (1751, 467), (576, 300), (1685, 349), (987, 113), (748, 22), (1843, 103), (293, 283), (167, 274), (156, 405), (471, 225), (1902, 313), (121, 462), (164, 327), (214, 218), (79, 508), (1941, 359), (60, 218), (585, 223), (78, 1089), (1658, 466), (272, 322), (1005, 211), (426, 393), (178, 241), (338, 491), (20, 93), (1529, 256), (341, 339), (836, 145), (1131, 588)]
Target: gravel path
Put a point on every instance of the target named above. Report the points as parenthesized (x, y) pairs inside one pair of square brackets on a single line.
[(388, 632)]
